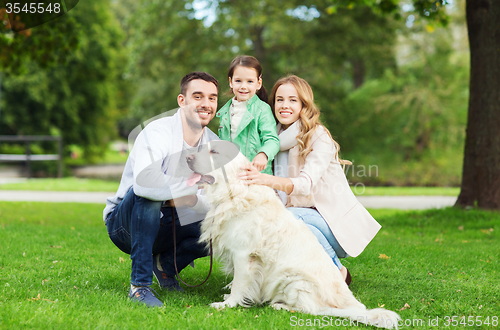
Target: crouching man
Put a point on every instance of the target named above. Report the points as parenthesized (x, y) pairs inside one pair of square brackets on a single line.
[(139, 217)]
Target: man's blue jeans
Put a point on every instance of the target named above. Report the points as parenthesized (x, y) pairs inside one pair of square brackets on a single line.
[(136, 227), (318, 226)]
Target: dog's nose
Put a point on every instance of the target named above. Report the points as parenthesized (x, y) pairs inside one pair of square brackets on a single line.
[(189, 158)]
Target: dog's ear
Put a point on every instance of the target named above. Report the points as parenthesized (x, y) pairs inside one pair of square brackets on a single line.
[(227, 149)]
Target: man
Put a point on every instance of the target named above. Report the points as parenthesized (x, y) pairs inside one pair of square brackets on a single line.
[(139, 216)]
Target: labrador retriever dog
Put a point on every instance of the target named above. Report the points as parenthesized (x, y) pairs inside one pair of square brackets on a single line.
[(273, 257)]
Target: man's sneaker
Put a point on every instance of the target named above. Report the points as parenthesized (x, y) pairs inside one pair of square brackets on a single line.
[(166, 282), (144, 295)]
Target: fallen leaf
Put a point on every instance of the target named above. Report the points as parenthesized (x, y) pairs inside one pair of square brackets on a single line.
[(461, 228), (44, 281), (34, 299), (55, 261), (121, 260), (430, 274), (436, 240), (256, 316), (75, 287), (481, 306), (406, 306), (56, 246), (188, 306), (383, 256), (381, 306)]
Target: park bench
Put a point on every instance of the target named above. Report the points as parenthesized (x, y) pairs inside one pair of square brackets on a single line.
[(28, 157)]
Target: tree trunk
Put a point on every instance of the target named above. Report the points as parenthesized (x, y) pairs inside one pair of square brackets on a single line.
[(481, 169), (358, 72), (261, 54)]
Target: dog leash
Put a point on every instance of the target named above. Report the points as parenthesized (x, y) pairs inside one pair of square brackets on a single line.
[(175, 255)]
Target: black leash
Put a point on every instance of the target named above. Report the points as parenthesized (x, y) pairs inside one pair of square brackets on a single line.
[(175, 255)]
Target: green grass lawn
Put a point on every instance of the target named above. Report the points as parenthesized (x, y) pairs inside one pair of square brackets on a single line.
[(405, 191), (76, 184), (59, 270), (63, 184)]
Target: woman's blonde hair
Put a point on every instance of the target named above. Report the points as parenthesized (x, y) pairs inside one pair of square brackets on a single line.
[(308, 116)]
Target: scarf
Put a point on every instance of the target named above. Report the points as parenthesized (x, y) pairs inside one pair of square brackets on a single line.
[(288, 140)]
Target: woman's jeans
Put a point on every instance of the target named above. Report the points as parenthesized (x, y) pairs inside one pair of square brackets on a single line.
[(136, 226), (318, 226)]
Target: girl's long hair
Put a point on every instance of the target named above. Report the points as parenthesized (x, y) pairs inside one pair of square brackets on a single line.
[(252, 63), (308, 116)]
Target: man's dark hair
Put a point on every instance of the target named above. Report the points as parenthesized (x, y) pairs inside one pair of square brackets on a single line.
[(197, 75)]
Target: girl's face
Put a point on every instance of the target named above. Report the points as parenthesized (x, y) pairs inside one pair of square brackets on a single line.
[(287, 105), (244, 83)]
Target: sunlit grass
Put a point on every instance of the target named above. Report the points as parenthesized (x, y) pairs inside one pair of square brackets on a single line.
[(78, 184), (63, 184), (59, 270), (360, 190)]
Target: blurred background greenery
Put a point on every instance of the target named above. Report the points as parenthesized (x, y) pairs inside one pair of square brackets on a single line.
[(392, 84)]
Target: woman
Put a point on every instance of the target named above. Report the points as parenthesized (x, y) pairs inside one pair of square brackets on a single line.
[(309, 175)]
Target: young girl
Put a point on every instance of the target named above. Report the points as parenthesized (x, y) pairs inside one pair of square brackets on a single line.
[(308, 170), (247, 119)]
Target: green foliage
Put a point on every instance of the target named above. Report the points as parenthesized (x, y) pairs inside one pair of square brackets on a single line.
[(77, 100), (59, 270), (285, 37), (46, 45), (411, 122), (432, 10)]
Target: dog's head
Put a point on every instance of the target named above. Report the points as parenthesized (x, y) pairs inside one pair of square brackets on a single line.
[(215, 162)]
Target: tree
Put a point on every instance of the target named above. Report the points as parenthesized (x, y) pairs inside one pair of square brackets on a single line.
[(481, 170), (286, 37), (76, 100), (47, 45), (481, 167)]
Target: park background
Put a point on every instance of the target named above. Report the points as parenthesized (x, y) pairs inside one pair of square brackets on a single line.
[(391, 79), (392, 88)]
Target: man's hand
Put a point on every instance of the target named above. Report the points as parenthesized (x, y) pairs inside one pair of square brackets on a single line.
[(188, 201), (260, 161)]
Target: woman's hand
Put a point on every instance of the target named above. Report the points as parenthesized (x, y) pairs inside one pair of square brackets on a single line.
[(251, 175)]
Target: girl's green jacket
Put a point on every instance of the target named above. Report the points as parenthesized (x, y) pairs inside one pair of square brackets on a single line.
[(256, 132)]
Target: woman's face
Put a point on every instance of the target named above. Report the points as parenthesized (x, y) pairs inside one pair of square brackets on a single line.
[(287, 105)]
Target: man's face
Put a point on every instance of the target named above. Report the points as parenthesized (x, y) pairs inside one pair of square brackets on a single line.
[(200, 103)]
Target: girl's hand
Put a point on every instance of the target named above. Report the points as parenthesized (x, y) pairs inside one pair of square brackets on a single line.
[(251, 175), (260, 161)]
